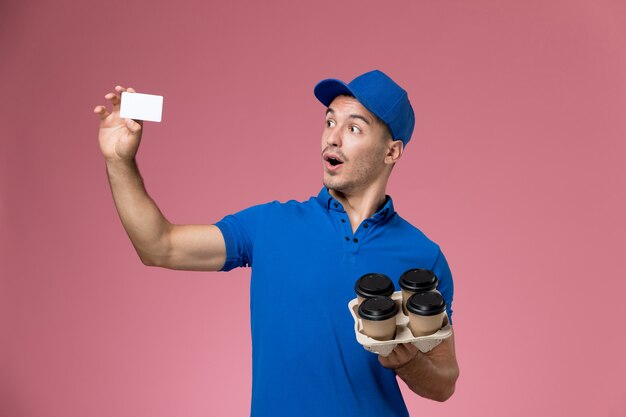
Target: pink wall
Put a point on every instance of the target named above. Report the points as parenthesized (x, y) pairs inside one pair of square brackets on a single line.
[(516, 169)]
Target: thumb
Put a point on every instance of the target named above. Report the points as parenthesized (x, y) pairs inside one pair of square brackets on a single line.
[(133, 126)]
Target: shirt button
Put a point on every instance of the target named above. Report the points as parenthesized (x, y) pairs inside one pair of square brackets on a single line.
[(335, 204), (356, 240), (365, 225), (347, 238), (343, 220)]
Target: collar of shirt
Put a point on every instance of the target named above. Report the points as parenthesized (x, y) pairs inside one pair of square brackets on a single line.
[(331, 204)]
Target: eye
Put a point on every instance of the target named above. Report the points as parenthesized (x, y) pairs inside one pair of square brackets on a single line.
[(355, 129), (330, 123)]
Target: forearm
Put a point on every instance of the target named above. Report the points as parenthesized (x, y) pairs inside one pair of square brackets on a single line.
[(143, 221), (431, 378)]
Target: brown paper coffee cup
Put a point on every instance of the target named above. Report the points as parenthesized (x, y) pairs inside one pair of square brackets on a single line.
[(378, 316), (426, 312)]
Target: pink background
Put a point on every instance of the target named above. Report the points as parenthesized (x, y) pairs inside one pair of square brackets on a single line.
[(516, 168)]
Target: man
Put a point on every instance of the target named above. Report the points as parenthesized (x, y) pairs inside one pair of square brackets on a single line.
[(306, 257)]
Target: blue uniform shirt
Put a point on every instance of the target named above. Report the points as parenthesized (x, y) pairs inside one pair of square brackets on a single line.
[(305, 261)]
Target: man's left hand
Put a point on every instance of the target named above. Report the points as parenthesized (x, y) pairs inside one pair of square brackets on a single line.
[(431, 375)]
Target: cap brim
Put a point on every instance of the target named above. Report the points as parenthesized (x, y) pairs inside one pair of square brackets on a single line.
[(327, 90)]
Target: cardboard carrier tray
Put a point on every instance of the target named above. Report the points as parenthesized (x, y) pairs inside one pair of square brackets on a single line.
[(403, 333)]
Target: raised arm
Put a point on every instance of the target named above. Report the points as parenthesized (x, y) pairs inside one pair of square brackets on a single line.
[(157, 241)]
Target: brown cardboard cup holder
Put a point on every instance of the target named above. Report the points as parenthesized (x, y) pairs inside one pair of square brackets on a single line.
[(403, 333)]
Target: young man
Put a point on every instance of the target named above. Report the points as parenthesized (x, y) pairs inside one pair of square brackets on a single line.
[(306, 257)]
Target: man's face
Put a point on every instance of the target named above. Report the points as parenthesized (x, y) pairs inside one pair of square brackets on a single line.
[(354, 145)]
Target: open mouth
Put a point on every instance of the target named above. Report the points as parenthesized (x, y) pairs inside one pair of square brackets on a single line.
[(333, 160)]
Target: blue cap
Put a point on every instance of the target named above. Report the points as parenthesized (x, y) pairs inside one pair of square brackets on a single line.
[(380, 95)]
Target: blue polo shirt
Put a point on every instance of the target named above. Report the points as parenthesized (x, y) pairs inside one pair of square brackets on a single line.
[(305, 260)]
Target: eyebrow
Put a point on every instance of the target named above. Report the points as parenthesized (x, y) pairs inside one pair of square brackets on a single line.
[(352, 116)]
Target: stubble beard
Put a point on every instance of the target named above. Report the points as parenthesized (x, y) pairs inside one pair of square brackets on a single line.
[(364, 175)]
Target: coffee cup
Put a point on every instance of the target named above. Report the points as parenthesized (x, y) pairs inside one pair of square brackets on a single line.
[(416, 280), (426, 312), (373, 285), (378, 316)]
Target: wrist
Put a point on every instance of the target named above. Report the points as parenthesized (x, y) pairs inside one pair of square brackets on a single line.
[(120, 164), (121, 168)]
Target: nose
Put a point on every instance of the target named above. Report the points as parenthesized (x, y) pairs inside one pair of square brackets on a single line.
[(333, 137)]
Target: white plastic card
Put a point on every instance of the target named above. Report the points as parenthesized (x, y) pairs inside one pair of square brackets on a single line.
[(140, 106)]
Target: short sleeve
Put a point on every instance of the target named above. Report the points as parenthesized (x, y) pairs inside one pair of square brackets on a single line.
[(239, 231), (446, 285)]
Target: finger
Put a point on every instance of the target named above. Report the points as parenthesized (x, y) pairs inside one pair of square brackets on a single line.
[(121, 89), (101, 111), (401, 348), (392, 357), (114, 99), (385, 361), (405, 352), (134, 125), (389, 361), (401, 351), (411, 348)]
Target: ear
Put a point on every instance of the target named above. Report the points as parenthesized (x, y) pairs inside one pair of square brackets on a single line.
[(394, 151)]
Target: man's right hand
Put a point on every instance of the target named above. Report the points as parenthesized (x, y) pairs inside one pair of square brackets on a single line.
[(156, 240), (119, 138)]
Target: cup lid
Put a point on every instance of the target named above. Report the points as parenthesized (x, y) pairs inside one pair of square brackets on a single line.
[(372, 285), (378, 309), (428, 303), (418, 280)]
